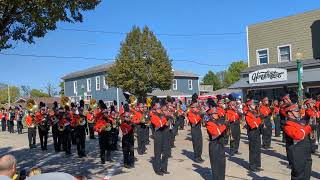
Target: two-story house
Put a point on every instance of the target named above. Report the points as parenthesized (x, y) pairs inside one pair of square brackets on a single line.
[(272, 53), (91, 83)]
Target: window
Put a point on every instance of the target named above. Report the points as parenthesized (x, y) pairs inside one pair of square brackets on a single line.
[(89, 85), (105, 84), (190, 84), (262, 56), (75, 85), (284, 53), (98, 83), (174, 84)]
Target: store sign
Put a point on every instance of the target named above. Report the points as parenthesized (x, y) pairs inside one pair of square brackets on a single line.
[(268, 75)]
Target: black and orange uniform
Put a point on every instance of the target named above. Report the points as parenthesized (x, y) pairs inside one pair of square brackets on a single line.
[(265, 115), (216, 130), (194, 119), (137, 117), (43, 128), (276, 120), (3, 121), (161, 142), (91, 121), (103, 127), (254, 135), (67, 133), (127, 141), (32, 132), (299, 148), (311, 117), (54, 122), (12, 117), (80, 127), (173, 124), (283, 114), (233, 119)]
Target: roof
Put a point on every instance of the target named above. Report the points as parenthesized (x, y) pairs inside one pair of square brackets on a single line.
[(285, 65), (161, 94), (92, 70), (309, 75), (105, 67)]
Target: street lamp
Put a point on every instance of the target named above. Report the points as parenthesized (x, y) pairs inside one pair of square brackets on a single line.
[(299, 57)]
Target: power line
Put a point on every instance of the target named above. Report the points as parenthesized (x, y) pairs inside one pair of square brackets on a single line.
[(103, 59), (158, 34)]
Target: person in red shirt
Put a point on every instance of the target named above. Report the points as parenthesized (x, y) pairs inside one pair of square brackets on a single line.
[(265, 115), (311, 117), (254, 135), (285, 102), (216, 128), (137, 119), (299, 145), (194, 118)]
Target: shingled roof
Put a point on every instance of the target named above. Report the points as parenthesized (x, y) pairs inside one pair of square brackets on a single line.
[(105, 67)]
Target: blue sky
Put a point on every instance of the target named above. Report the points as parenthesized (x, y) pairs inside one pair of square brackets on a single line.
[(165, 16)]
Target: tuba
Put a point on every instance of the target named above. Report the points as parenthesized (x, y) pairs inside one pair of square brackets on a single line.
[(64, 101)]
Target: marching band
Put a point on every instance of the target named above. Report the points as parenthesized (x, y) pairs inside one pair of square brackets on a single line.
[(223, 119)]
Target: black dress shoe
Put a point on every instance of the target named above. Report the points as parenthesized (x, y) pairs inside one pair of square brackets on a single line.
[(238, 153), (159, 173), (199, 160), (253, 170), (127, 166), (259, 169), (165, 172)]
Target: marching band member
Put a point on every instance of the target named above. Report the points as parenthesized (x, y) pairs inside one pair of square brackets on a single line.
[(194, 119), (12, 117), (161, 136), (286, 102), (103, 127), (114, 116), (173, 121), (80, 129), (43, 126), (265, 115), (299, 146), (32, 133), (233, 119), (3, 120), (19, 120), (311, 116), (180, 115), (254, 135), (127, 140), (216, 128), (91, 121), (67, 139), (137, 118), (276, 118)]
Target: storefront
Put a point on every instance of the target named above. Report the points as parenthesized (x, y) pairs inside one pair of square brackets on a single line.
[(275, 80)]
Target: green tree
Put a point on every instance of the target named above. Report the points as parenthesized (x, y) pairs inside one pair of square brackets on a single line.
[(212, 79), (142, 64), (233, 73), (38, 93), (22, 20), (14, 94), (61, 86)]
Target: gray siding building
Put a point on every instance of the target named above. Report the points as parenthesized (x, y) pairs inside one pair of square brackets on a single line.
[(90, 84), (272, 53)]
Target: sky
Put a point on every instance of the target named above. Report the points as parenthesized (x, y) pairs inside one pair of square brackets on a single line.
[(225, 21)]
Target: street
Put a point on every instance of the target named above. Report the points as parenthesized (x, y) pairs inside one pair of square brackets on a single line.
[(181, 165)]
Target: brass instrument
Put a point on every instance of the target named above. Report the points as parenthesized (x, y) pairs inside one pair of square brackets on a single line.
[(61, 127), (81, 121), (314, 133)]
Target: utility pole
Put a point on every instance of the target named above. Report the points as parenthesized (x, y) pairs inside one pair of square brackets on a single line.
[(9, 96)]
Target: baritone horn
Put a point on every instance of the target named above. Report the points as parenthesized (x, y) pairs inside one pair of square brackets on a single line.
[(314, 133)]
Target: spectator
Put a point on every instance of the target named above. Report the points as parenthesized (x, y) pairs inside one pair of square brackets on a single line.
[(8, 166), (52, 176), (34, 172), (22, 175)]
